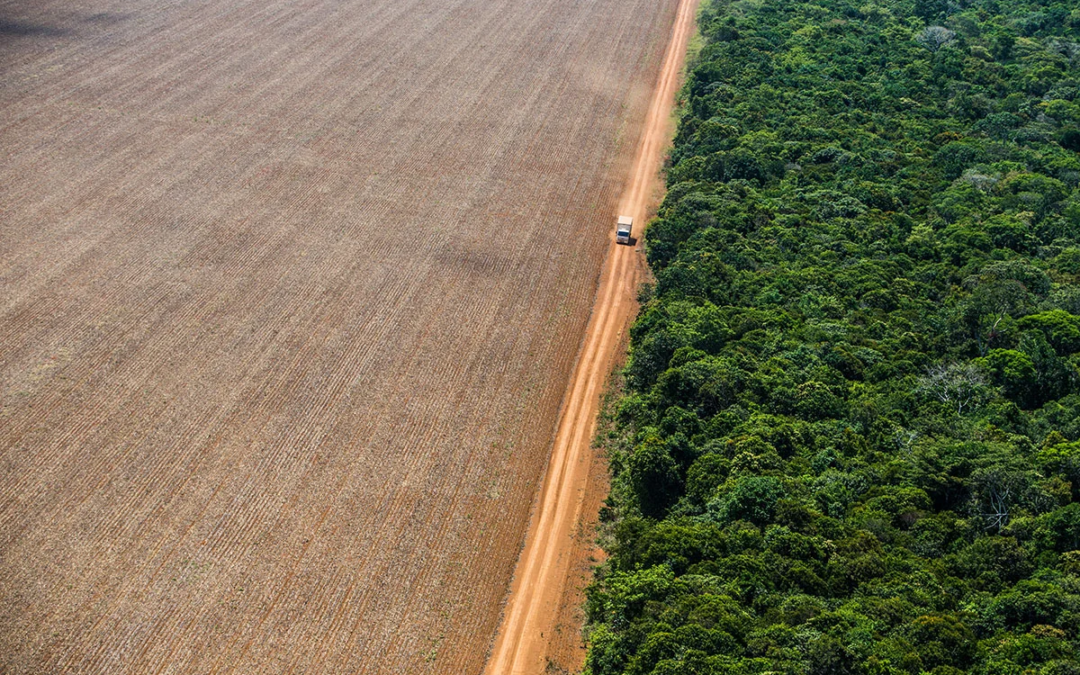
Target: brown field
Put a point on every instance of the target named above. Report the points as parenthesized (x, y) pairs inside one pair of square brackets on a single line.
[(290, 293)]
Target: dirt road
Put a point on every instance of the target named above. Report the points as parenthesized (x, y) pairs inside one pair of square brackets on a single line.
[(522, 645)]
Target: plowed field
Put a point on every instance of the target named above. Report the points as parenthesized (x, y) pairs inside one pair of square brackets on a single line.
[(290, 292)]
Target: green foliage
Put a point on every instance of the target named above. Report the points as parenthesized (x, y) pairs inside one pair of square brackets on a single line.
[(850, 442), (751, 498), (1059, 327)]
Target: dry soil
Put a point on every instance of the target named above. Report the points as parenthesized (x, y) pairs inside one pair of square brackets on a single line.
[(290, 293)]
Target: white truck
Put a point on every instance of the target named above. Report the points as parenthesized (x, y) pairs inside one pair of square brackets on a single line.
[(622, 230)]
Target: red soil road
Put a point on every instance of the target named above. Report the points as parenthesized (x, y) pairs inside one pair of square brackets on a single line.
[(290, 294), (533, 609)]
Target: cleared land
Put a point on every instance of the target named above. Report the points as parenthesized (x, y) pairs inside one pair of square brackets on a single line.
[(290, 293), (528, 638)]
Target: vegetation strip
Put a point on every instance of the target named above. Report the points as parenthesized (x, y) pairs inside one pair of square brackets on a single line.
[(850, 441)]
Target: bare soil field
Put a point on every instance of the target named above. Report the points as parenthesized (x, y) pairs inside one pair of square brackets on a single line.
[(537, 631), (290, 293)]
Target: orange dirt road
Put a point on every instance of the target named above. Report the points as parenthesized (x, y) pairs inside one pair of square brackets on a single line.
[(524, 641)]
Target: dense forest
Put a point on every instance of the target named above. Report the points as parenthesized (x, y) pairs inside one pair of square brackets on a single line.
[(849, 440)]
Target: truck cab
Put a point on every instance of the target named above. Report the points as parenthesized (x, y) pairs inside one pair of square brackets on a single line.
[(622, 230)]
